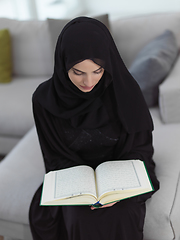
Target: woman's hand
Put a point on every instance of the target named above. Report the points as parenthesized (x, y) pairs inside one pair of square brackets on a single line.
[(104, 206)]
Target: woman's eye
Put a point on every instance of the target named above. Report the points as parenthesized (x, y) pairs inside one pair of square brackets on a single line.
[(77, 73), (99, 71)]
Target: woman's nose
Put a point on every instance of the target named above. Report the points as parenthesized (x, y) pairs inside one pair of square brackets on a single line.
[(88, 81)]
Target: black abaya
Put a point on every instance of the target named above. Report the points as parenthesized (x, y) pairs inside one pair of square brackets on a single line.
[(122, 221), (110, 122)]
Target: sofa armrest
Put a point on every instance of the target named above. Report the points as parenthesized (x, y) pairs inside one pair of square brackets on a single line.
[(169, 96)]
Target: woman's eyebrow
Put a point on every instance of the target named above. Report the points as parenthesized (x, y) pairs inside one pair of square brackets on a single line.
[(83, 72), (77, 70), (98, 69)]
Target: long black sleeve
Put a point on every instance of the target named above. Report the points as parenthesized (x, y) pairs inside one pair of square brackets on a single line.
[(55, 153)]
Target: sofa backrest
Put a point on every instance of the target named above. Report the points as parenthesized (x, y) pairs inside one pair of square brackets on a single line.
[(31, 47), (133, 33)]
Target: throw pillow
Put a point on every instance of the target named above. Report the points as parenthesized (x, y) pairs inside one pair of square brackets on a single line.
[(56, 26), (5, 56), (153, 63)]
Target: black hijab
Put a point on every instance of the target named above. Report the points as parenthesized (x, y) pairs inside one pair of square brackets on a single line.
[(117, 96)]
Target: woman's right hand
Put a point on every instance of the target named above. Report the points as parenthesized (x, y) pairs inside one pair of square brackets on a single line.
[(104, 206)]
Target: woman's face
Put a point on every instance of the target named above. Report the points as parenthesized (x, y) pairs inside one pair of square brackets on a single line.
[(85, 75)]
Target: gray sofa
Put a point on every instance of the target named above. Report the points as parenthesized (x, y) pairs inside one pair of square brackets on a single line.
[(22, 170), (32, 64)]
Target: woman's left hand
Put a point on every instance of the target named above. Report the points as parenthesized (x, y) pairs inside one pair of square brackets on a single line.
[(104, 206)]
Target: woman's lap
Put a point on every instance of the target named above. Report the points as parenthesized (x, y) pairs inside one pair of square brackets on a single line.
[(122, 221)]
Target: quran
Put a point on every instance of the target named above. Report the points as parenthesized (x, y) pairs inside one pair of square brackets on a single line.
[(111, 181)]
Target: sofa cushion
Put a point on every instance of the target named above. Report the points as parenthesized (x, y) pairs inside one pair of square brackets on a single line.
[(163, 212), (5, 56), (56, 26), (21, 173), (131, 34), (16, 96), (31, 47), (153, 63), (169, 96)]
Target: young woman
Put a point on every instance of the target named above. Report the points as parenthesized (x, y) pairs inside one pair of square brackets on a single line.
[(90, 111)]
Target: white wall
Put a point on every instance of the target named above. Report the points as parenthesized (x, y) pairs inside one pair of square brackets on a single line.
[(18, 9), (129, 7), (30, 9)]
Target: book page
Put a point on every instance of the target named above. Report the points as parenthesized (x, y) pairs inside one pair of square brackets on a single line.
[(74, 181), (116, 175)]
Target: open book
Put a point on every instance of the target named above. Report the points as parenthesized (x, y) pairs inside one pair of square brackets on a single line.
[(81, 185)]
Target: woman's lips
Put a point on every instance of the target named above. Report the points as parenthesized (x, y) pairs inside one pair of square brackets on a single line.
[(87, 88)]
